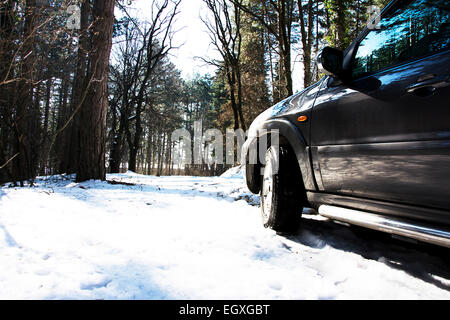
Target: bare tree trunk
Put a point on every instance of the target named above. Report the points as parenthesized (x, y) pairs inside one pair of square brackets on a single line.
[(91, 163), (60, 112), (285, 44), (234, 107), (340, 24), (134, 146), (149, 153), (69, 160), (6, 56), (161, 157), (239, 96), (156, 148), (169, 159), (23, 165), (306, 27), (117, 143), (44, 145), (269, 45)]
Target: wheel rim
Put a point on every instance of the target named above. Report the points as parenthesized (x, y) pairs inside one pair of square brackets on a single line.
[(267, 190)]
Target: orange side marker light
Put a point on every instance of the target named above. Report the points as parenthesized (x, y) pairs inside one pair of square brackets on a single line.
[(302, 119)]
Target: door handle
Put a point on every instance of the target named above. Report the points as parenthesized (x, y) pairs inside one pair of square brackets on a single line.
[(430, 84)]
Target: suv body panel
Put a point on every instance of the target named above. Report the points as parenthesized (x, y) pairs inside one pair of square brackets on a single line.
[(373, 143)]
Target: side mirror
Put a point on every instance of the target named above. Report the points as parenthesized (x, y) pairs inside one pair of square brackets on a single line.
[(330, 61)]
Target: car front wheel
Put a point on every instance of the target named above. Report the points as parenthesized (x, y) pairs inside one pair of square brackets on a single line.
[(282, 191)]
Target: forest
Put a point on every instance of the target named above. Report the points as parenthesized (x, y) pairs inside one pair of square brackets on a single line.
[(87, 88)]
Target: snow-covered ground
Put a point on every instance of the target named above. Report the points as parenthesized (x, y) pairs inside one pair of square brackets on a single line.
[(193, 238)]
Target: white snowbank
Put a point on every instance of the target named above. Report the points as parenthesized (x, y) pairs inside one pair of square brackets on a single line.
[(235, 172), (189, 238)]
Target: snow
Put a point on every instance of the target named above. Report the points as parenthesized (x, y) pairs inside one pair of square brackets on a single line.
[(192, 238), (235, 172)]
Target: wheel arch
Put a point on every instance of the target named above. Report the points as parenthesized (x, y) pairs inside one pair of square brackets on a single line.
[(290, 135)]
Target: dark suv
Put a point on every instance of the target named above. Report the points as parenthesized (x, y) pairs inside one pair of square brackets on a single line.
[(369, 144)]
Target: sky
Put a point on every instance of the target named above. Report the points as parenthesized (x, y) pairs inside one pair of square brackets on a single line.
[(193, 40), (190, 37)]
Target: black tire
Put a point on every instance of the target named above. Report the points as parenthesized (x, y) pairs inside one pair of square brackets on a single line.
[(253, 177), (283, 194)]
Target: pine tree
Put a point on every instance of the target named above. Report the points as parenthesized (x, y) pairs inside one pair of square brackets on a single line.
[(92, 135)]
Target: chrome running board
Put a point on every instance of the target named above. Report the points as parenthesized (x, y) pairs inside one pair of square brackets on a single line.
[(394, 226)]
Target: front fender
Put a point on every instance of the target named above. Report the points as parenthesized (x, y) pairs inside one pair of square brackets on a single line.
[(294, 137), (252, 172)]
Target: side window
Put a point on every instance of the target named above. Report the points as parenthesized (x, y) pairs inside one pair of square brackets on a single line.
[(409, 30)]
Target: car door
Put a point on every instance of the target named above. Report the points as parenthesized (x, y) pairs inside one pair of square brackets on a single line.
[(385, 134)]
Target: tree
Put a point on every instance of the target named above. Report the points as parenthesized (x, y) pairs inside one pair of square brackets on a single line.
[(225, 35), (26, 133), (91, 163), (70, 137), (306, 15), (156, 45), (278, 18), (255, 92), (7, 17), (347, 18), (141, 55)]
